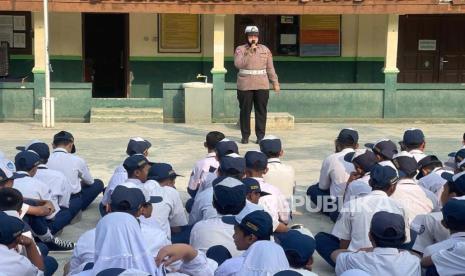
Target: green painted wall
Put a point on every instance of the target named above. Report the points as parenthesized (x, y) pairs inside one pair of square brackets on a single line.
[(65, 68), (16, 103), (150, 74), (73, 101)]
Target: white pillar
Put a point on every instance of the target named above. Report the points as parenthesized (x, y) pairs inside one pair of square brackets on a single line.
[(218, 43), (392, 38)]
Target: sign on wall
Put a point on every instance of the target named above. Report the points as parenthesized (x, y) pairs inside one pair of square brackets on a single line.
[(320, 35), (179, 33)]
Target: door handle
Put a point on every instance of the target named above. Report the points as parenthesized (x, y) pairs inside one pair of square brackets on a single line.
[(441, 63)]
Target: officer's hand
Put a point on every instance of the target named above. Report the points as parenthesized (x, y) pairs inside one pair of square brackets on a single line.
[(276, 88)]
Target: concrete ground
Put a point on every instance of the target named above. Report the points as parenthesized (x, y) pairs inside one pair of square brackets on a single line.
[(103, 146)]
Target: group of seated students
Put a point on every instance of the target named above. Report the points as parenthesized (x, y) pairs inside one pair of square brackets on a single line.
[(396, 212)]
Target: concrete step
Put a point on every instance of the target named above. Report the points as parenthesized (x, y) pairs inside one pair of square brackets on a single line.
[(126, 115), (275, 121)]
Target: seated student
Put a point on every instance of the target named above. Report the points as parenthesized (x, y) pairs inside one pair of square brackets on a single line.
[(11, 202), (299, 248), (253, 191), (34, 215), (209, 164), (384, 150), (63, 159), (414, 143), (431, 229), (334, 171), (119, 243), (459, 161), (279, 175), (55, 180), (169, 214), (353, 225), (222, 148), (256, 164), (136, 145), (123, 200), (252, 233), (27, 163), (229, 198), (231, 165), (11, 262), (415, 199), (429, 177), (357, 184), (448, 257), (387, 235)]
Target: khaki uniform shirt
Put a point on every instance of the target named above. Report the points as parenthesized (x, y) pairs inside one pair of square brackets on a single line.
[(260, 59)]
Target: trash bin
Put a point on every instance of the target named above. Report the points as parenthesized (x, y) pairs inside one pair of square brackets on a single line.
[(197, 102)]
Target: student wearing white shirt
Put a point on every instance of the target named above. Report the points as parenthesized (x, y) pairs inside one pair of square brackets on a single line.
[(202, 208), (414, 143), (334, 173), (384, 149), (136, 145), (209, 164), (83, 186), (299, 248), (257, 166), (416, 200), (431, 228), (353, 225), (229, 198), (387, 234), (363, 161), (169, 214), (429, 176), (11, 262), (279, 174), (252, 233), (448, 257)]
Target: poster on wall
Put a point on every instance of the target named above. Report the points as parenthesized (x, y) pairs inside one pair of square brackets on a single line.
[(320, 35), (179, 33)]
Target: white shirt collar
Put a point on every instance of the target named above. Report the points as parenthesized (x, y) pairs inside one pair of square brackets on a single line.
[(23, 172), (43, 166), (274, 160), (60, 150), (458, 235), (378, 192), (347, 150), (416, 151), (211, 154), (386, 250), (134, 180)]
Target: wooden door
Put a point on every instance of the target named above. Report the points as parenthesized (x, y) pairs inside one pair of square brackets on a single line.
[(418, 63), (452, 50)]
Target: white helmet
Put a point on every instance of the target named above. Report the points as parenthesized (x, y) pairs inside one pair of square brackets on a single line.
[(251, 30)]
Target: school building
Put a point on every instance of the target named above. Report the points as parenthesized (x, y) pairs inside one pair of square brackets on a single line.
[(336, 59)]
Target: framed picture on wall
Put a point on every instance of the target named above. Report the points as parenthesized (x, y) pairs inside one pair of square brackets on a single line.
[(179, 33), (320, 35)]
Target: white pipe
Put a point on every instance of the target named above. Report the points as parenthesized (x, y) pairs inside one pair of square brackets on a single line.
[(47, 111), (43, 113), (52, 112)]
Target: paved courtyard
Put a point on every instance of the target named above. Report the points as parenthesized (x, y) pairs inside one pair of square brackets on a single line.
[(103, 146)]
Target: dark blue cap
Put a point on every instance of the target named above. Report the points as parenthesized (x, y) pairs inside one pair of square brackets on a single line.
[(456, 181), (348, 136), (26, 160), (428, 161), (232, 164), (111, 272), (133, 196), (252, 185), (453, 211), (459, 156), (7, 171), (64, 136), (295, 241), (137, 145), (366, 159), (384, 147), (10, 228), (218, 253), (405, 162), (288, 273), (413, 136), (387, 226), (256, 160), (225, 147), (270, 145), (134, 162), (38, 147), (228, 192), (162, 171), (383, 176), (258, 223)]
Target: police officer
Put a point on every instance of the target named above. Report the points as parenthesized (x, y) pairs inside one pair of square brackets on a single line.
[(256, 70)]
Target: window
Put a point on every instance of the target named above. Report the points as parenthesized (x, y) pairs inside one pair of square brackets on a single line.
[(15, 28)]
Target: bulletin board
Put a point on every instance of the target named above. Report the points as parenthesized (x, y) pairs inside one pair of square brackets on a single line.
[(179, 33), (320, 35)]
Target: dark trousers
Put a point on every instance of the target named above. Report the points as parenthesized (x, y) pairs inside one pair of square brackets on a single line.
[(51, 265), (89, 193), (314, 192), (61, 219), (259, 100), (183, 236), (326, 244)]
